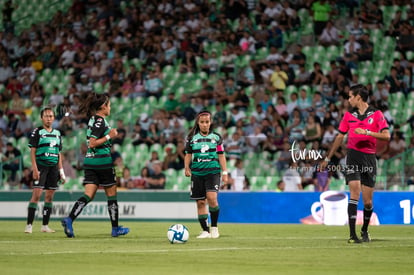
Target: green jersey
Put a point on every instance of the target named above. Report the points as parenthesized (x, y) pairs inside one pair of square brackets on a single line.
[(48, 146), (205, 151), (98, 157)]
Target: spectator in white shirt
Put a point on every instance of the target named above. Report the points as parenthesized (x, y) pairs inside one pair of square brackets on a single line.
[(330, 35)]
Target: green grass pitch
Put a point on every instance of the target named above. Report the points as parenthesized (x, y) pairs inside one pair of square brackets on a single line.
[(241, 249)]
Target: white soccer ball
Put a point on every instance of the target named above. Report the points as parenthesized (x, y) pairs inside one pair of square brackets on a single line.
[(178, 233)]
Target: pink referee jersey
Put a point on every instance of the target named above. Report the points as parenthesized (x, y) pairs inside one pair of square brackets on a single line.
[(372, 120)]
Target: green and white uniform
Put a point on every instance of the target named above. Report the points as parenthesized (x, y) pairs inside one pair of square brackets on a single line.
[(48, 147), (99, 157), (98, 164), (205, 166), (205, 151)]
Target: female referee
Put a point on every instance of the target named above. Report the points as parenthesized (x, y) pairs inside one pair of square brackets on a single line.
[(364, 126), (98, 165), (203, 161)]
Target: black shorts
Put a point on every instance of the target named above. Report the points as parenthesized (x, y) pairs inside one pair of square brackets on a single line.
[(361, 166), (200, 185), (101, 177), (48, 177)]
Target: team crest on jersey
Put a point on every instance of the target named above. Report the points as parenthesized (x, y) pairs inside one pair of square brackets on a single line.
[(370, 120), (213, 141), (204, 148), (98, 122)]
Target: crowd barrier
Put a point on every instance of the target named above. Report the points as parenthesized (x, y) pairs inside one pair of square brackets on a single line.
[(235, 207)]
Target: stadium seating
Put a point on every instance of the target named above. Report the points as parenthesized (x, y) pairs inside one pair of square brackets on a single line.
[(188, 83)]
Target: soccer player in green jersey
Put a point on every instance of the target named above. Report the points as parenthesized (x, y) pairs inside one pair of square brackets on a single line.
[(45, 153), (98, 165), (204, 161)]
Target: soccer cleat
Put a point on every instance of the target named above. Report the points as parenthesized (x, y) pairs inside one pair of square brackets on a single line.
[(28, 229), (67, 226), (354, 240), (204, 235), (46, 229), (365, 237), (118, 231), (214, 232)]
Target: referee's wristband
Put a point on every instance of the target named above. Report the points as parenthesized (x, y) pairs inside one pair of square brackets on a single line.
[(225, 173), (108, 137)]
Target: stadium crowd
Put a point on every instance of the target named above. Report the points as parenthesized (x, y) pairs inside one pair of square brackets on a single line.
[(264, 89)]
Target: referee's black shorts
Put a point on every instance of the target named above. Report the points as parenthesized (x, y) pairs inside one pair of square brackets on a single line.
[(361, 166)]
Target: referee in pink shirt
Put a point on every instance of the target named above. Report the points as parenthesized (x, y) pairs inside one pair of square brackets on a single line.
[(364, 125)]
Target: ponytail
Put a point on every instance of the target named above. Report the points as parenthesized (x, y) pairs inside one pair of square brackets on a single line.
[(92, 102)]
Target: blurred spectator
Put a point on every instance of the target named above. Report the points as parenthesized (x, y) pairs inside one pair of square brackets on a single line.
[(139, 135), (312, 130), (7, 11), (137, 182), (122, 132), (304, 103), (37, 94), (12, 161), (6, 71), (355, 28), (12, 124), (371, 15), (16, 105), (24, 127), (119, 167), (26, 181), (322, 180), (280, 186), (352, 49), (157, 179), (320, 11), (234, 146), (3, 122), (171, 105), (153, 85), (330, 35), (396, 145), (238, 180), (366, 51), (56, 98), (381, 93), (329, 136), (255, 141), (292, 179), (278, 79), (220, 116), (154, 158), (80, 156), (394, 81)]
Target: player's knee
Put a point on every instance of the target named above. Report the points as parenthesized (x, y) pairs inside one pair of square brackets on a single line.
[(368, 205)]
